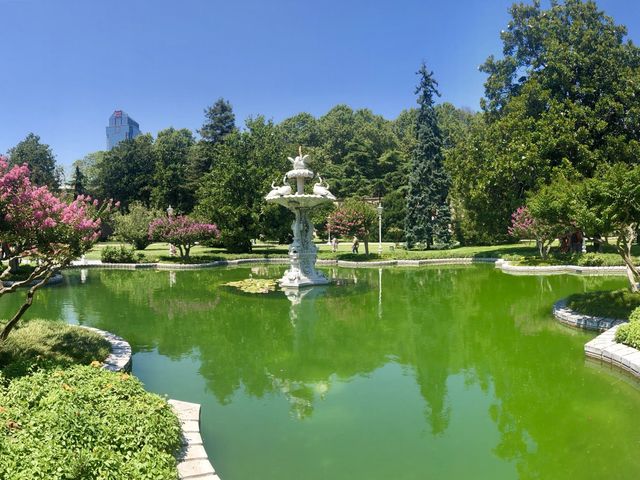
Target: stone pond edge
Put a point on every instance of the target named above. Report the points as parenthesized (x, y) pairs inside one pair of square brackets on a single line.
[(603, 347), (504, 265), (193, 461)]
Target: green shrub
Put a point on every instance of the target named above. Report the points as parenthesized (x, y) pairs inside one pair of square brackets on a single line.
[(46, 344), (612, 304), (133, 227), (85, 423), (591, 260), (629, 333), (121, 254)]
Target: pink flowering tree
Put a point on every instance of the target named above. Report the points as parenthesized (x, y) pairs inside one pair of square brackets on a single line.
[(526, 226), (36, 225), (354, 218), (182, 231)]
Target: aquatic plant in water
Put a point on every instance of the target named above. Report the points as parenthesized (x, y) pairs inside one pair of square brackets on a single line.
[(254, 285)]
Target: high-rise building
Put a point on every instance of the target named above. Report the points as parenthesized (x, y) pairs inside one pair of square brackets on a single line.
[(121, 127)]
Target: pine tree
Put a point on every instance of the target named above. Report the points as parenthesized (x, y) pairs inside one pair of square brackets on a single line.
[(78, 182), (220, 121), (428, 215)]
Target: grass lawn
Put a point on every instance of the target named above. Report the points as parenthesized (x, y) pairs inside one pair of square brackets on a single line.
[(47, 344), (159, 252), (614, 304)]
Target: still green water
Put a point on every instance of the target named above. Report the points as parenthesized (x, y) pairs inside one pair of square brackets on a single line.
[(433, 373)]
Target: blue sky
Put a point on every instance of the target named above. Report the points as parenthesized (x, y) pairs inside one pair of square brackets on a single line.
[(67, 64)]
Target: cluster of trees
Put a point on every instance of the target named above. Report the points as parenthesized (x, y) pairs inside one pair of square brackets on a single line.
[(564, 99)]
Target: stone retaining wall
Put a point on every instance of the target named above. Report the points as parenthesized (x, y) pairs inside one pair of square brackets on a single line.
[(570, 317), (605, 348)]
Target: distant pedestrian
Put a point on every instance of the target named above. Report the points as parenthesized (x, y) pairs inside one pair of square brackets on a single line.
[(334, 244), (355, 245)]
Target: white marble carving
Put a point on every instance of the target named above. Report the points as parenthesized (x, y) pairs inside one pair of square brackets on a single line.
[(302, 252)]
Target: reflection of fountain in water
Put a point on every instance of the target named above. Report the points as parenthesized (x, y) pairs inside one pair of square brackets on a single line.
[(83, 275), (300, 394), (172, 278)]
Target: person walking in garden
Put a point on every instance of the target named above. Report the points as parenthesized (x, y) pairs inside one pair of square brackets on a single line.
[(355, 245), (334, 244)]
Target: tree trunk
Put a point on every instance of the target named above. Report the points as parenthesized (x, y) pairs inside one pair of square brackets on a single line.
[(25, 306), (625, 240), (366, 246)]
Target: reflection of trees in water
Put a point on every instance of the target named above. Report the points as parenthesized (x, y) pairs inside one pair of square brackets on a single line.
[(441, 322)]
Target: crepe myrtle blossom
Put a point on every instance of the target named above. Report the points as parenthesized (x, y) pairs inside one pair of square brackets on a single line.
[(182, 231), (37, 225)]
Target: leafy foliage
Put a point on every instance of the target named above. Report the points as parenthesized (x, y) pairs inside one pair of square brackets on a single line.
[(629, 333), (133, 227), (40, 160), (182, 231), (611, 304), (354, 218), (36, 224), (120, 254), (47, 344), (428, 216), (85, 422)]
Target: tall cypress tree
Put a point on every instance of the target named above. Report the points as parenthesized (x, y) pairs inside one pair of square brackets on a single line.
[(78, 181), (428, 215)]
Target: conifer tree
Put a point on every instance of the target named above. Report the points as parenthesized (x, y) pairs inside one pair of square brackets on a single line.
[(428, 215), (220, 121), (78, 183)]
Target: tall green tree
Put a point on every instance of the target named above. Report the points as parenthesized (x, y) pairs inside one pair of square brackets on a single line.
[(220, 121), (170, 187), (126, 172), (565, 92), (428, 215), (232, 194), (78, 182), (40, 159)]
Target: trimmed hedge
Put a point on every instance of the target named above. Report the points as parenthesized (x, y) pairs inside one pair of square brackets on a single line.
[(85, 423), (629, 333)]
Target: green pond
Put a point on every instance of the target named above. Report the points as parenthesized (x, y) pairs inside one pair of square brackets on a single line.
[(431, 373)]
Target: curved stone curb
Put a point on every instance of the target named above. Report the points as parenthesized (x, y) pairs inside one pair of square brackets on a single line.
[(54, 280), (605, 348), (507, 267), (193, 462), (570, 317), (119, 360)]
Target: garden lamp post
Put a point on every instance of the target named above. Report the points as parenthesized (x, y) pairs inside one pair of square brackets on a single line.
[(379, 228)]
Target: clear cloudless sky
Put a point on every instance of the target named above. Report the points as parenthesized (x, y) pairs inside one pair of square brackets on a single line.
[(66, 65)]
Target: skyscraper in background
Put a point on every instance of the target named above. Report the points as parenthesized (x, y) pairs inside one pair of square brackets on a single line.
[(121, 127)]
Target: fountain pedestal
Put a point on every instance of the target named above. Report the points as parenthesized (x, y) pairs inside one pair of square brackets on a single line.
[(302, 252)]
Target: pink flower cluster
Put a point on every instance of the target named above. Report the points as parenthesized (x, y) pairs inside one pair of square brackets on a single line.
[(347, 222), (523, 225), (35, 222), (181, 230)]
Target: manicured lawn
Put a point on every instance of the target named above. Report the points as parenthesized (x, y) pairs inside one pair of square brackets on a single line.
[(47, 344), (614, 304), (159, 252)]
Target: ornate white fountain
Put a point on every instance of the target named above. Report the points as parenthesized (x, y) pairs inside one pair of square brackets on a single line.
[(302, 252)]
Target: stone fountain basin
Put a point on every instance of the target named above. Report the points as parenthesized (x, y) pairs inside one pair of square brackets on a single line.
[(300, 200)]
